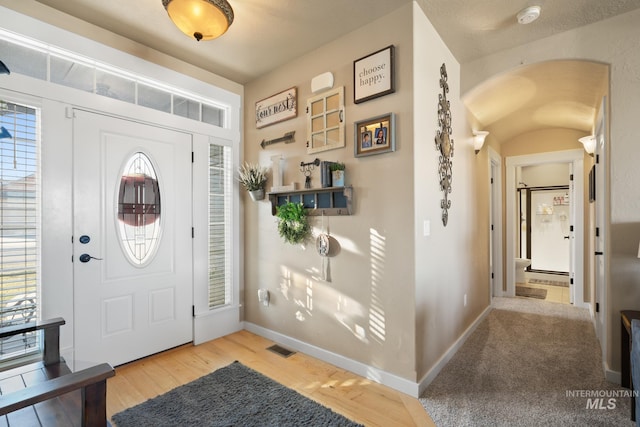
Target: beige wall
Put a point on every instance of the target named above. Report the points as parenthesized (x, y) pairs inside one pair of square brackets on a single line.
[(396, 297), (453, 260), (613, 42), (366, 313)]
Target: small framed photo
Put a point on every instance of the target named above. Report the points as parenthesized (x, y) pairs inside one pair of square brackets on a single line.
[(375, 136), (373, 75)]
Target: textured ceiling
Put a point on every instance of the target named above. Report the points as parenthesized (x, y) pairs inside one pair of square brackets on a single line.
[(264, 35), (268, 34), (554, 94), (475, 28)]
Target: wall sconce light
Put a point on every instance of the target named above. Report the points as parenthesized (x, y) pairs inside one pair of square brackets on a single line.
[(478, 139), (200, 19), (589, 143)]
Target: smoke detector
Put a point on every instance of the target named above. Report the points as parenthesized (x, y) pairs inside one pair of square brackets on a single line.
[(528, 15)]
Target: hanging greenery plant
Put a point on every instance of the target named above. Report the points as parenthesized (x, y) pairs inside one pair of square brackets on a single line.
[(292, 222)]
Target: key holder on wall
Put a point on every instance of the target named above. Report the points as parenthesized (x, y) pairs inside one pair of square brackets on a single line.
[(306, 169)]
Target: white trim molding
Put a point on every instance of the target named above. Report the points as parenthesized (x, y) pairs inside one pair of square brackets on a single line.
[(372, 373), (446, 357)]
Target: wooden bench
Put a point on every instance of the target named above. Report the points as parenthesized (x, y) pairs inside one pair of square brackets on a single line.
[(46, 392)]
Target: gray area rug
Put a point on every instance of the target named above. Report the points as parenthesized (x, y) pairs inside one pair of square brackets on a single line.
[(529, 363), (549, 282), (231, 396), (524, 291)]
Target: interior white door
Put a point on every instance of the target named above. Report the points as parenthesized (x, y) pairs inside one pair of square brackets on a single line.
[(132, 294), (572, 236)]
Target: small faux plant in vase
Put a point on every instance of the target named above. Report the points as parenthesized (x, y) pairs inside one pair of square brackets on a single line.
[(292, 222), (337, 174), (253, 177)]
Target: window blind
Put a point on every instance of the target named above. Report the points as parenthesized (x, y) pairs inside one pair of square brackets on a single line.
[(19, 223), (220, 188)]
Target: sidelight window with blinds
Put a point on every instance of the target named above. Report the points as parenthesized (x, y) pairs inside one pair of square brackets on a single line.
[(220, 190), (19, 223)]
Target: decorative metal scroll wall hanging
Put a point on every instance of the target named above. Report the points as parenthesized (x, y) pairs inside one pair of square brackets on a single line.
[(444, 144)]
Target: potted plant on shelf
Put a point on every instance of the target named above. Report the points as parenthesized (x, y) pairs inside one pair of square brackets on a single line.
[(292, 222), (337, 174), (253, 177)]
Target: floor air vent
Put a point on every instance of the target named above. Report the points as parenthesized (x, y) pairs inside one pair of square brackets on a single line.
[(281, 350)]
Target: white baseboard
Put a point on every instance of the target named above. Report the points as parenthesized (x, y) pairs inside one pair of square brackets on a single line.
[(582, 305), (216, 324), (611, 375), (444, 359), (385, 378)]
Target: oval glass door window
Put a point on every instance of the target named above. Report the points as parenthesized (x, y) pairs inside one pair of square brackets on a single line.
[(139, 209)]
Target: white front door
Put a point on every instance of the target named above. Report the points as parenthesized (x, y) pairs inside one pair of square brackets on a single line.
[(132, 238)]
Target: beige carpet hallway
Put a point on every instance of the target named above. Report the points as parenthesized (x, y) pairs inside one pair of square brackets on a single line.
[(529, 363)]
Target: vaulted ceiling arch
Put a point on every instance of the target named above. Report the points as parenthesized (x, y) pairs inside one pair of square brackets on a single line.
[(547, 95)]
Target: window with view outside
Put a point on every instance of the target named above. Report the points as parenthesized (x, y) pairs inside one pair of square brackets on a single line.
[(19, 224), (220, 188)]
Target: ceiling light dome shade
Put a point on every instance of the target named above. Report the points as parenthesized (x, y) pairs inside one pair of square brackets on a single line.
[(200, 19)]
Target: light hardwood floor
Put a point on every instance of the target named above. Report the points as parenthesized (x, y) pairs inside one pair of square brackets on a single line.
[(357, 398)]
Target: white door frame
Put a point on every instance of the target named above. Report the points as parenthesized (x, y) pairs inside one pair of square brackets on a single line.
[(602, 219), (495, 221), (57, 102), (576, 158)]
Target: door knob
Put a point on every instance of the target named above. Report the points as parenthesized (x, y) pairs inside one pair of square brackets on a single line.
[(87, 258)]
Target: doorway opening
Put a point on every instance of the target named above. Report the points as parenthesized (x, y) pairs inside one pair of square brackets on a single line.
[(543, 262), (557, 212)]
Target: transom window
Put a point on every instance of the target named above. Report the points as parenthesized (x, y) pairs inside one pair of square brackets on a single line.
[(44, 62)]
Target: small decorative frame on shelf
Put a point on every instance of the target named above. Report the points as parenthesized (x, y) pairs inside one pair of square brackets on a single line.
[(375, 136), (330, 201)]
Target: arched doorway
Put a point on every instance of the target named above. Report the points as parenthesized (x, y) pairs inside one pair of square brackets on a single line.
[(541, 110)]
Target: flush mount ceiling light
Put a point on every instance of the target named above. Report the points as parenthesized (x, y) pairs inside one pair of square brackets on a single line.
[(528, 15), (200, 19)]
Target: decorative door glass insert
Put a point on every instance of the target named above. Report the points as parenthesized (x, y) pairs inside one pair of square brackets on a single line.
[(139, 209)]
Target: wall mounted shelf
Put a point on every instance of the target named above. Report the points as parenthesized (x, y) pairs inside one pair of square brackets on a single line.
[(330, 201)]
